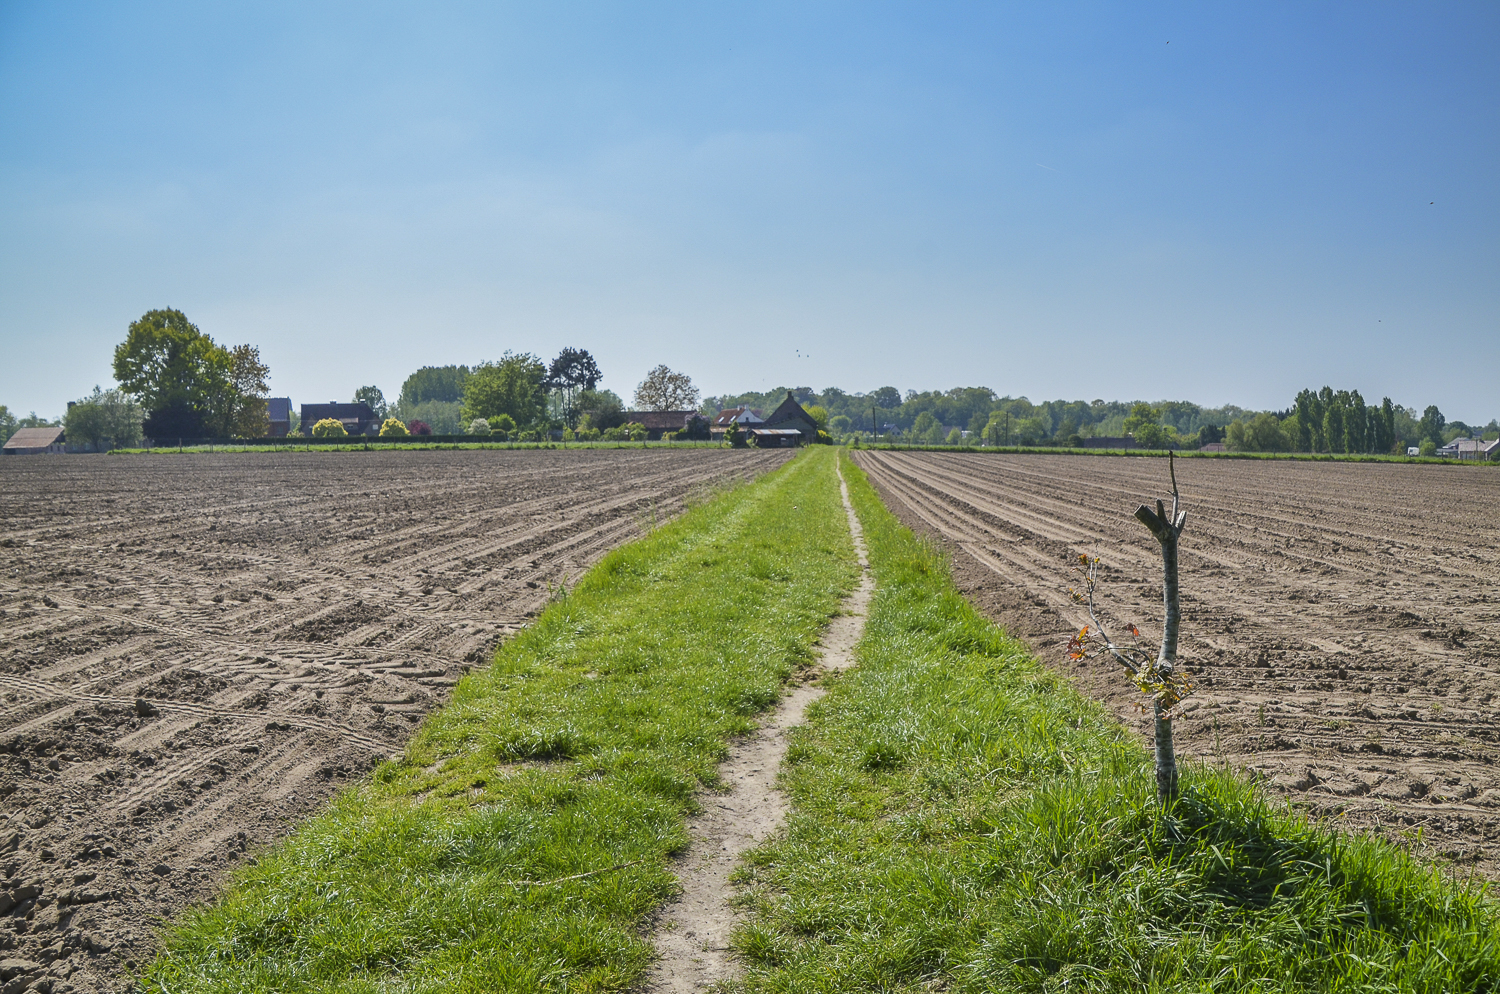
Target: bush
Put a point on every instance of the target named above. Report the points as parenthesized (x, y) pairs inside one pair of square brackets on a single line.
[(393, 428), (616, 434), (696, 428), (669, 436), (419, 427), (329, 428), (1429, 448), (479, 426), (503, 422), (528, 436), (589, 435), (636, 431), (499, 434)]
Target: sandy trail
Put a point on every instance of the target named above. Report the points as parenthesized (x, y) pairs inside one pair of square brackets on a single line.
[(693, 933)]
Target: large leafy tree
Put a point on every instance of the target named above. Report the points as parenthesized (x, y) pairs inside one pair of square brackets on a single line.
[(511, 386), (188, 385), (1432, 424), (247, 394), (104, 418), (1356, 425), (1307, 402), (373, 397), (177, 372), (1386, 438), (573, 370), (664, 390), (1144, 422), (441, 383)]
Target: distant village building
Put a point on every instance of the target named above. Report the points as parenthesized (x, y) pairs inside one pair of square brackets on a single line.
[(1213, 447), (34, 442), (790, 415), (737, 415), (658, 423), (1470, 448), (357, 417), (279, 411)]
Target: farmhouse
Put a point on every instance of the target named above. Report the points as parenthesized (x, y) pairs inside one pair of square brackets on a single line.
[(357, 417), (34, 441), (790, 415), (279, 411), (658, 422), (1470, 448)]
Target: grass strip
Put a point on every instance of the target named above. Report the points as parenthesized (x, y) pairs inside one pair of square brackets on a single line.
[(527, 832), (962, 820)]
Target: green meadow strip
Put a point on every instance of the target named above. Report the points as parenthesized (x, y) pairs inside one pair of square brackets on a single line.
[(962, 820), (576, 754)]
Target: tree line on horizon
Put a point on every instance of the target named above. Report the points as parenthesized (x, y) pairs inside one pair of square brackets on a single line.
[(176, 382), (1318, 421)]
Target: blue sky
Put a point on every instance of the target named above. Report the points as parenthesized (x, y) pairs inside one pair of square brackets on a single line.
[(1205, 202)]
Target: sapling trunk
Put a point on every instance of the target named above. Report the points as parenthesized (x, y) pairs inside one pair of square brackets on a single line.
[(1167, 530)]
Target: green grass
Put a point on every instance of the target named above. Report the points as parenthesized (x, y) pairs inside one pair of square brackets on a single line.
[(964, 821), (580, 748)]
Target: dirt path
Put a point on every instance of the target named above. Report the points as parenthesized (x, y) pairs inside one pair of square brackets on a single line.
[(195, 651), (1341, 619), (693, 932)]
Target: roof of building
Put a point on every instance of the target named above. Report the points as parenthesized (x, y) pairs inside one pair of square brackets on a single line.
[(35, 438), (1213, 447), (790, 410), (358, 410), (744, 415), (659, 420), (774, 431), (279, 408)]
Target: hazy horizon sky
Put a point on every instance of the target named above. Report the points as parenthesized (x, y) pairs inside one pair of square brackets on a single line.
[(1213, 203)]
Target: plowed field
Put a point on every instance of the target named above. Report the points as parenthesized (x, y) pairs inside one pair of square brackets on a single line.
[(195, 650), (1342, 620)]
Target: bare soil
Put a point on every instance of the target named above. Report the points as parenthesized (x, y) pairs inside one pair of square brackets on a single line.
[(1341, 620), (693, 931), (195, 651)]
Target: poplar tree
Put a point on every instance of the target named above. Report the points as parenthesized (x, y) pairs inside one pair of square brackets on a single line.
[(1356, 428)]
